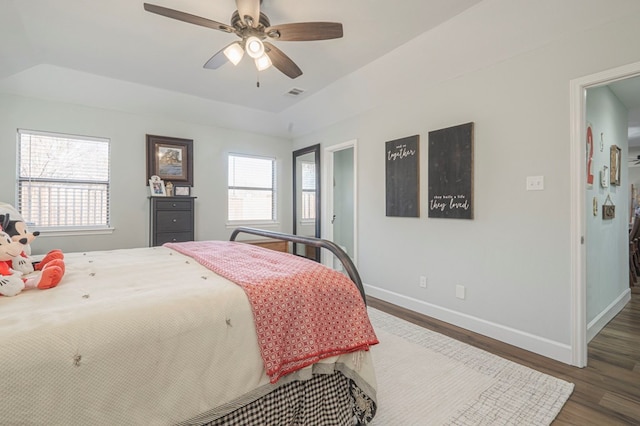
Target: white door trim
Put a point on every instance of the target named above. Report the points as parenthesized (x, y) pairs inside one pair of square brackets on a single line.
[(327, 195), (577, 93)]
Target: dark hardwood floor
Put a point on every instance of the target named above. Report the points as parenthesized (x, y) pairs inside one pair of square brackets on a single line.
[(607, 391)]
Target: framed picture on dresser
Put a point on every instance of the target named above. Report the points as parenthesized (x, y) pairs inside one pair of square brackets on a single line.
[(182, 191), (156, 187)]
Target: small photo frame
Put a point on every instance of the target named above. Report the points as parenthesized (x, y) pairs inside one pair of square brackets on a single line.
[(182, 191), (156, 186)]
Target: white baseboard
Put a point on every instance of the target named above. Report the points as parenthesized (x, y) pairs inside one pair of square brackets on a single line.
[(598, 323), (540, 345)]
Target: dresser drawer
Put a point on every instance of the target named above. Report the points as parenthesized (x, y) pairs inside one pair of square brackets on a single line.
[(172, 221), (172, 237), (277, 245), (173, 205)]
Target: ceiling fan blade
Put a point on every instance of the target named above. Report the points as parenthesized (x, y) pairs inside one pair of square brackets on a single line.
[(305, 31), (249, 8), (187, 17), (282, 61), (217, 60)]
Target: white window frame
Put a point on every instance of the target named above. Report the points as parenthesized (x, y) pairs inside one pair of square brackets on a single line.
[(54, 231), (274, 191)]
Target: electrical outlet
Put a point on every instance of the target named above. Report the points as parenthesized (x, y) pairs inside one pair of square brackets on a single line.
[(535, 183), (423, 281), (460, 291)]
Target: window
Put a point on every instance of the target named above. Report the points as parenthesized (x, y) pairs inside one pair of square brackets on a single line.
[(251, 188), (63, 180), (308, 190)]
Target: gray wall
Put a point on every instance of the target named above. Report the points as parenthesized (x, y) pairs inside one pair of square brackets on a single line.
[(514, 257), (129, 202)]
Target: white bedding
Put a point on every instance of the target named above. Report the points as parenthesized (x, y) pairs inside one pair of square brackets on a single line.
[(137, 336)]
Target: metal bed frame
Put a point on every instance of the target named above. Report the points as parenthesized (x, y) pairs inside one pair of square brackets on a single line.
[(314, 242)]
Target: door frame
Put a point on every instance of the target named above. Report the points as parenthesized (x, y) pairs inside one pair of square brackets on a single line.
[(327, 195), (577, 92)]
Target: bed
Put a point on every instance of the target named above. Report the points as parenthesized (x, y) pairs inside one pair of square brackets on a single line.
[(158, 336)]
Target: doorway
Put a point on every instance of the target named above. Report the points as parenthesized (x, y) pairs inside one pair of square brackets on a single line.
[(341, 207), (579, 237)]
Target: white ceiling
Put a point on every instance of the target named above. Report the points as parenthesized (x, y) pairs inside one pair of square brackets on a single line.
[(115, 55), (120, 40)]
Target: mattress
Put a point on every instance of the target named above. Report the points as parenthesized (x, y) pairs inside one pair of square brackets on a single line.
[(138, 336)]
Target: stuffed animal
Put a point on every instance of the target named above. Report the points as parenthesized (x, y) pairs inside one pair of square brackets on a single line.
[(10, 282), (17, 230), (13, 281)]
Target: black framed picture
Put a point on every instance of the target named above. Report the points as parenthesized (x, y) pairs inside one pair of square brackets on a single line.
[(182, 191), (171, 159)]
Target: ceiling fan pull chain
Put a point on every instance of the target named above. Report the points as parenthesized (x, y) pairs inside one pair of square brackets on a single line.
[(258, 79)]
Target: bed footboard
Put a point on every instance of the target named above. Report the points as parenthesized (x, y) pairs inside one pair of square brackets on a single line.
[(314, 242)]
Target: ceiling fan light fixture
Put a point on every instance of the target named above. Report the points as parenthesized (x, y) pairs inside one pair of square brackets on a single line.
[(254, 47), (263, 62), (234, 53)]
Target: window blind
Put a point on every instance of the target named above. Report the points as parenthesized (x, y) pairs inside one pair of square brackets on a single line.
[(251, 188), (63, 180), (308, 190)]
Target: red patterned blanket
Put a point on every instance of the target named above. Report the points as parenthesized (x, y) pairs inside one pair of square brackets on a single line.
[(303, 311)]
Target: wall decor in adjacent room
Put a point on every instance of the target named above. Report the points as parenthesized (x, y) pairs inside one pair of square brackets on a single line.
[(170, 159), (608, 208), (402, 167), (589, 156), (451, 172), (615, 160)]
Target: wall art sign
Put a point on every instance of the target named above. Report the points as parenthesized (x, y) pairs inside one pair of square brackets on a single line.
[(451, 172), (402, 167), (170, 158)]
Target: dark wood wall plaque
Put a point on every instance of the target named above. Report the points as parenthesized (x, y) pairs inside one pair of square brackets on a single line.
[(402, 165), (451, 172)]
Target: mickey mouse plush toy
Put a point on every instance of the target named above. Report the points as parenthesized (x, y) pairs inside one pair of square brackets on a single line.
[(18, 231), (16, 270), (10, 281)]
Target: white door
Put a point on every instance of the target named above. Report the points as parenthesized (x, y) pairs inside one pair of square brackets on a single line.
[(341, 207)]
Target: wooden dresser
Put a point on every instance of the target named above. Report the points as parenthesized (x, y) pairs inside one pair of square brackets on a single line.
[(171, 220), (277, 245)]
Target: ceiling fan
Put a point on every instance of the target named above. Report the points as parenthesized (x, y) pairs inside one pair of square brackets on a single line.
[(254, 29), (634, 161)]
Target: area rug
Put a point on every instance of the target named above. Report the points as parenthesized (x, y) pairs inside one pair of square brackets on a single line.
[(426, 378)]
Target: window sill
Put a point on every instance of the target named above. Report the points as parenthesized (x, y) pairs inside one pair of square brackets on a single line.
[(57, 232), (264, 224)]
